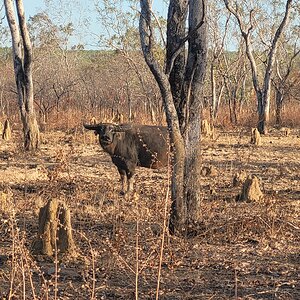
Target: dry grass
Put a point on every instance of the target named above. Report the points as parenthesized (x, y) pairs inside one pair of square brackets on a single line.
[(241, 250), (248, 118)]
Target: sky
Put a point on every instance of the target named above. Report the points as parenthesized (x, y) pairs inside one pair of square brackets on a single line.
[(82, 14), (86, 19)]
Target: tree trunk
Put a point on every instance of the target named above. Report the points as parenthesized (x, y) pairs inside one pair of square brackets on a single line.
[(23, 72), (181, 87), (31, 132), (264, 119), (261, 125), (176, 54), (178, 209), (213, 106), (234, 106), (262, 90), (279, 102), (231, 90), (195, 74), (242, 94), (230, 110)]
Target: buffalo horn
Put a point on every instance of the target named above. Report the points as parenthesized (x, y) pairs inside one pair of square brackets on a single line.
[(91, 127)]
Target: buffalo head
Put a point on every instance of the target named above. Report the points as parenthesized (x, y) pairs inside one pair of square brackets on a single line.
[(107, 132)]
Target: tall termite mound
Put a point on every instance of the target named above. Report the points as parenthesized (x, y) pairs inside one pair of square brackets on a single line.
[(207, 129), (255, 137), (251, 191), (55, 230), (6, 134)]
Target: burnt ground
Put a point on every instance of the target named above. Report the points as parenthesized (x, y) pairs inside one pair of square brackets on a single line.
[(241, 250)]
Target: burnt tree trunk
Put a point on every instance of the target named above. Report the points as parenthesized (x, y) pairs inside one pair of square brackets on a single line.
[(23, 72), (262, 117), (181, 87), (178, 203), (192, 96), (176, 52), (279, 104)]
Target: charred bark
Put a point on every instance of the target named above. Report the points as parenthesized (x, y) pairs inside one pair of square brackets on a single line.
[(181, 87), (279, 104), (178, 218), (193, 85), (176, 52)]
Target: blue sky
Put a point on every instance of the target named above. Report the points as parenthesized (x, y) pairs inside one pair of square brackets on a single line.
[(81, 13), (84, 17), (85, 33)]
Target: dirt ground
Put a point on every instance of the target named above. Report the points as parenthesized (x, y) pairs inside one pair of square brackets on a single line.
[(241, 250)]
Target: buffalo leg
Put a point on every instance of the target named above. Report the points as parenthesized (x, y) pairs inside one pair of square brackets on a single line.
[(130, 180), (123, 179), (127, 174)]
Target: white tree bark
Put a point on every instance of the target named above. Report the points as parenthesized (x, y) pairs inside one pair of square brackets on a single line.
[(262, 89), (23, 72)]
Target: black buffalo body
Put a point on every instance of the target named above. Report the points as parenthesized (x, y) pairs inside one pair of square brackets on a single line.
[(133, 145)]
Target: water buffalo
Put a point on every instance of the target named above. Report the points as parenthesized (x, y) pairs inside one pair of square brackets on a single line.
[(133, 145)]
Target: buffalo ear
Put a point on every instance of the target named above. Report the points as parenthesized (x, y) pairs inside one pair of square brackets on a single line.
[(118, 135)]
